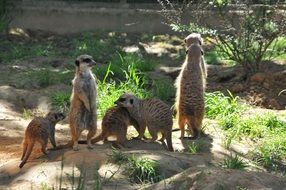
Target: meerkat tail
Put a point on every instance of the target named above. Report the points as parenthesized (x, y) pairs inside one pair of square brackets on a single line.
[(25, 145), (27, 154), (98, 138), (68, 145), (169, 141)]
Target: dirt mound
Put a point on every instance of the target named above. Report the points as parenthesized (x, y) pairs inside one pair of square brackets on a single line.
[(214, 178)]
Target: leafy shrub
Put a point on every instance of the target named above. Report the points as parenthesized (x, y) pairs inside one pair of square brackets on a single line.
[(243, 35)]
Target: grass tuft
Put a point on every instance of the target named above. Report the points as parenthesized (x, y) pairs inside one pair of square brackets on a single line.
[(233, 162), (143, 170), (118, 157)]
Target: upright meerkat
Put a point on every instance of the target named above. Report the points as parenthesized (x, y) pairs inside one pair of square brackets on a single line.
[(82, 113), (190, 92), (115, 123), (195, 38), (40, 129), (153, 113)]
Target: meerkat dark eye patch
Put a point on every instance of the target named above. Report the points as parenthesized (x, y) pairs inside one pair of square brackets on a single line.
[(202, 52), (200, 42), (56, 117), (77, 63), (187, 51), (131, 101), (87, 60), (185, 40)]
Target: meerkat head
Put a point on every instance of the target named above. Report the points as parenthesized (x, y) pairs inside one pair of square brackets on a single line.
[(126, 100), (55, 116), (84, 62), (195, 51), (193, 38)]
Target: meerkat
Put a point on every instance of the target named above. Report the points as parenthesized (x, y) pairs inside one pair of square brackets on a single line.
[(82, 113), (40, 129), (153, 113), (195, 38), (190, 92), (115, 123)]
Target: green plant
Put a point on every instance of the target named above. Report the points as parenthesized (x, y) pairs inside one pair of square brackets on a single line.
[(233, 162), (164, 89), (143, 170), (110, 91), (194, 147), (218, 105), (27, 113), (5, 18), (243, 36), (61, 100), (118, 157)]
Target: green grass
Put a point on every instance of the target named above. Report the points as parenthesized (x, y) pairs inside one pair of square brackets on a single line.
[(61, 100), (143, 170), (277, 49), (118, 157), (164, 90), (233, 162), (193, 148), (218, 105), (139, 170), (267, 131), (110, 90)]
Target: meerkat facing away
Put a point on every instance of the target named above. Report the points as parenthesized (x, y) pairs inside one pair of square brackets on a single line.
[(115, 123), (40, 129), (190, 92), (195, 38), (82, 113), (153, 113)]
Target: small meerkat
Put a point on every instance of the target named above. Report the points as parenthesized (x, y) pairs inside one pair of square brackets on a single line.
[(115, 123), (153, 113), (195, 38), (40, 129), (190, 92), (82, 113)]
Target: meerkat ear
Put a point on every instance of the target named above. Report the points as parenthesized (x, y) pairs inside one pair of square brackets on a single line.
[(131, 101), (77, 63)]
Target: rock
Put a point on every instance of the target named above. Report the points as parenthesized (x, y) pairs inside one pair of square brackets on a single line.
[(258, 77), (266, 85), (237, 88), (273, 103)]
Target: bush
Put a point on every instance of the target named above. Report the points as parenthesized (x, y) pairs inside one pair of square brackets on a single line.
[(243, 35)]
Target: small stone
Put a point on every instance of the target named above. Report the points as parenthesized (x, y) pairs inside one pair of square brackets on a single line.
[(258, 77), (237, 88)]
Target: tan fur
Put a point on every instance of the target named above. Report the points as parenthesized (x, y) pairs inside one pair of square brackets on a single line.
[(195, 38), (153, 113), (115, 123), (190, 92), (82, 113), (40, 130)]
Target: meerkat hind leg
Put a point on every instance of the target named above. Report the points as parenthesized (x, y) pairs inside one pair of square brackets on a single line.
[(90, 134)]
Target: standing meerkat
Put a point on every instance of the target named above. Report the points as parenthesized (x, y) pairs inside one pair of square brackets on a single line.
[(40, 129), (190, 92), (195, 38), (115, 123), (82, 113), (153, 113)]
